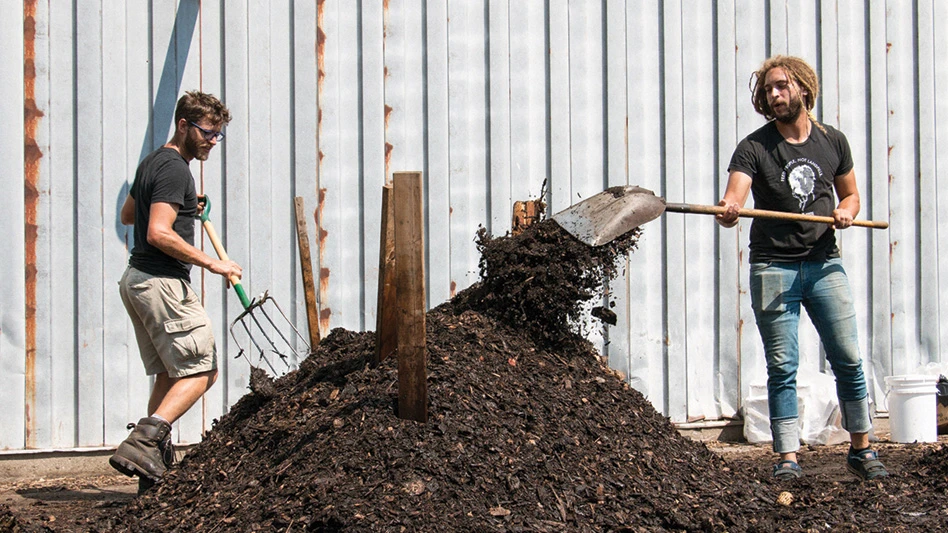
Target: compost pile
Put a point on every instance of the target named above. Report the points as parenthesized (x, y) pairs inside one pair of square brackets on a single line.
[(528, 430), (540, 279)]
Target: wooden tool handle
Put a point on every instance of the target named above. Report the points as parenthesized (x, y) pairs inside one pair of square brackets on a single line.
[(761, 213), (222, 254)]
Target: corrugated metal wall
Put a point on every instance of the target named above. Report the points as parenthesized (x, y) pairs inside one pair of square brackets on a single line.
[(488, 98)]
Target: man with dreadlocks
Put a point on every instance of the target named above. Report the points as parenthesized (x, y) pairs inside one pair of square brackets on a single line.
[(795, 164)]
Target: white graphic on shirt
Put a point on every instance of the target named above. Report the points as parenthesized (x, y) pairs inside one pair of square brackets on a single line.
[(802, 180)]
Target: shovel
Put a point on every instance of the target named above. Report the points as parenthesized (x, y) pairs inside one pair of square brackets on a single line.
[(601, 218), (249, 319)]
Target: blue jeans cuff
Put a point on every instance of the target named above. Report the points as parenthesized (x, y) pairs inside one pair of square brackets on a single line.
[(786, 433), (855, 415)]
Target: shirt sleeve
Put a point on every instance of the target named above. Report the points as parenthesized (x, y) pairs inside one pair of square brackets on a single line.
[(845, 154), (744, 159), (170, 184)]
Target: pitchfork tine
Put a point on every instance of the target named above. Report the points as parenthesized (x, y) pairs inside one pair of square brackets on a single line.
[(270, 320), (264, 298), (247, 304), (256, 345)]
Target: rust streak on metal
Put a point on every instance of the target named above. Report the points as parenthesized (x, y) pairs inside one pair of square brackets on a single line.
[(32, 156), (324, 315), (321, 232), (388, 146), (325, 312), (321, 235), (388, 160), (388, 108), (320, 44), (324, 279)]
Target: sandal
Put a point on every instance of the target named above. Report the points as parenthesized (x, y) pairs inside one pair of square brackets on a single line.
[(865, 464), (787, 470)]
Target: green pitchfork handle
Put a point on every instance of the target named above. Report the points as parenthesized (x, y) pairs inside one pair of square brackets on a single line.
[(221, 253)]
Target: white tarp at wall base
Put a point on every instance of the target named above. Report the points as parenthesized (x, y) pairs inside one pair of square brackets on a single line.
[(817, 406)]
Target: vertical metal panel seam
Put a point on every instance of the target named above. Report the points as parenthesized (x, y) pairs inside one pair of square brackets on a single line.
[(102, 258), (77, 389), (426, 169), (204, 272), (917, 145), (684, 227), (663, 169), (604, 58), (225, 341), (488, 125), (448, 155), (360, 169), (716, 315), (549, 106)]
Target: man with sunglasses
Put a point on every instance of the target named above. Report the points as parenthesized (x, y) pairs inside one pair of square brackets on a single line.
[(172, 328)]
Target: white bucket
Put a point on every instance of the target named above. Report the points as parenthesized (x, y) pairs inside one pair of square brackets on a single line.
[(912, 408)]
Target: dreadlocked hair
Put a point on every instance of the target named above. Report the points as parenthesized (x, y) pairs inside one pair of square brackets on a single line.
[(797, 70)]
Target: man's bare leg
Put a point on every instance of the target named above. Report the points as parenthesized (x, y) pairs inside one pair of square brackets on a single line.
[(859, 441), (172, 397)]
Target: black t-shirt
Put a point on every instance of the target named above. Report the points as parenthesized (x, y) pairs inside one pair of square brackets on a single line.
[(163, 176), (795, 178)]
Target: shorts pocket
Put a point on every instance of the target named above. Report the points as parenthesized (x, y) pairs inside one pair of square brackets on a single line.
[(191, 337)]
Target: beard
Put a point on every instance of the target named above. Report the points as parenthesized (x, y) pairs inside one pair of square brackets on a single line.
[(791, 111), (198, 148)]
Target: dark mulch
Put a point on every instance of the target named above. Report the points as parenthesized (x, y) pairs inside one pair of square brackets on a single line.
[(528, 431)]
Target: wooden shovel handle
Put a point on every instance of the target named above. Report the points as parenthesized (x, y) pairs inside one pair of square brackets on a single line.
[(761, 213)]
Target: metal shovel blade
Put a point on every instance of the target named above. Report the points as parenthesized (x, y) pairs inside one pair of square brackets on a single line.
[(599, 219)]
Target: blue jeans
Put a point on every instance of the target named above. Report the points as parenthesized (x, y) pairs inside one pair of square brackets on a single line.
[(777, 292)]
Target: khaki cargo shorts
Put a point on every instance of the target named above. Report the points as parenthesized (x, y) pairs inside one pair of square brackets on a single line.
[(172, 328)]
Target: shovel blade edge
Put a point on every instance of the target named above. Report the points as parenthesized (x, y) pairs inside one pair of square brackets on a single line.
[(615, 211)]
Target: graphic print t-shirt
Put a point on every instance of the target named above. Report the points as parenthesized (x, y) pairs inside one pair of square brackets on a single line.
[(794, 178), (163, 176)]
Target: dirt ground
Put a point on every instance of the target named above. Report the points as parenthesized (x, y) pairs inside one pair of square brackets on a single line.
[(528, 430), (912, 499)]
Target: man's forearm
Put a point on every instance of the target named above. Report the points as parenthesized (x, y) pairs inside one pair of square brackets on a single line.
[(850, 203), (172, 244)]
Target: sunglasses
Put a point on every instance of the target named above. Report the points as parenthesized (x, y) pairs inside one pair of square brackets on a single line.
[(209, 135)]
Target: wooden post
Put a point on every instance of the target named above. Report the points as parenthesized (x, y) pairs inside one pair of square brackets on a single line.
[(410, 291), (306, 268), (386, 335), (525, 214)]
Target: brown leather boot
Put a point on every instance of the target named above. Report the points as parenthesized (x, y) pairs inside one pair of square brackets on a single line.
[(167, 457), (141, 453)]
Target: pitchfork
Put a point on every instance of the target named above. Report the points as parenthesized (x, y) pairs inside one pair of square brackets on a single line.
[(249, 319)]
